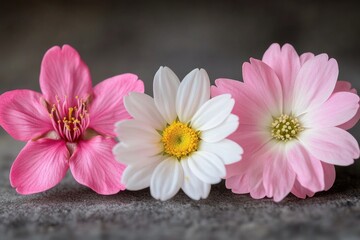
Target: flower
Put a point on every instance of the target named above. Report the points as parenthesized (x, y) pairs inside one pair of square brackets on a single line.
[(69, 125), (293, 115), (178, 138)]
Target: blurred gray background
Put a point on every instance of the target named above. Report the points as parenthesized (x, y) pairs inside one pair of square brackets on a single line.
[(114, 37)]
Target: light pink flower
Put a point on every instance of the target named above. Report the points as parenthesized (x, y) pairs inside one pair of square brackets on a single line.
[(70, 125), (293, 115)]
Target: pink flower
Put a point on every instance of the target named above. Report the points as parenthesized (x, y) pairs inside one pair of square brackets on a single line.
[(70, 125), (293, 115)]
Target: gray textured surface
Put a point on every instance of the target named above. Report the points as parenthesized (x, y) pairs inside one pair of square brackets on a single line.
[(72, 211), (124, 36)]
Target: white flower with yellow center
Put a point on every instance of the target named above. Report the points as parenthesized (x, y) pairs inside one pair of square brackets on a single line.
[(178, 138)]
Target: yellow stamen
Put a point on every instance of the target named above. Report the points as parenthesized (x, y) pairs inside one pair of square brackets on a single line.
[(285, 128), (180, 140)]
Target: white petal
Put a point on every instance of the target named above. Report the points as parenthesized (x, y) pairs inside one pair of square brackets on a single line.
[(213, 112), (229, 151), (137, 154), (166, 85), (193, 186), (166, 179), (193, 92), (207, 167), (134, 131), (142, 107), (137, 178), (223, 130)]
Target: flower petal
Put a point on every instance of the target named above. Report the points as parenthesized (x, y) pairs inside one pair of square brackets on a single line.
[(286, 64), (23, 116), (306, 57), (39, 166), (300, 191), (222, 131), (261, 78), (167, 179), (329, 175), (64, 74), (135, 154), (136, 132), (249, 104), (338, 109), (107, 106), (142, 108), (93, 165), (193, 92), (138, 177), (344, 86), (309, 171), (207, 167), (166, 85), (213, 112), (228, 151), (314, 83), (331, 145), (278, 176), (193, 186)]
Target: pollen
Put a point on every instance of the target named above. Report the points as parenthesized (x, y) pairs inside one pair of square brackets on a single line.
[(180, 140), (285, 128), (69, 121)]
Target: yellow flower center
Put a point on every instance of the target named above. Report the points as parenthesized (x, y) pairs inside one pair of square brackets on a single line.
[(285, 128), (180, 140)]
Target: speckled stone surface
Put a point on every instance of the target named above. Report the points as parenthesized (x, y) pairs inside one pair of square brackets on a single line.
[(71, 211), (139, 36)]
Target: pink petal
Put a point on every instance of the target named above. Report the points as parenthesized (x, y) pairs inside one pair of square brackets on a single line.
[(306, 57), (64, 74), (314, 83), (23, 116), (338, 109), (329, 175), (344, 86), (94, 165), (107, 107), (278, 175), (300, 191), (238, 184), (331, 145), (249, 105), (309, 171), (262, 79), (39, 166), (286, 64)]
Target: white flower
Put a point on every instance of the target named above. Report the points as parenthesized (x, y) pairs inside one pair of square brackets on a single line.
[(178, 138)]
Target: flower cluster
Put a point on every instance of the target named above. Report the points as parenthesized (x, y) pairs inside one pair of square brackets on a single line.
[(279, 131)]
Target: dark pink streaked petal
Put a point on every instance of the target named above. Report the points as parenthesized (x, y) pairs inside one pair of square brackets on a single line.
[(94, 165), (107, 105), (23, 116), (64, 75), (39, 166)]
